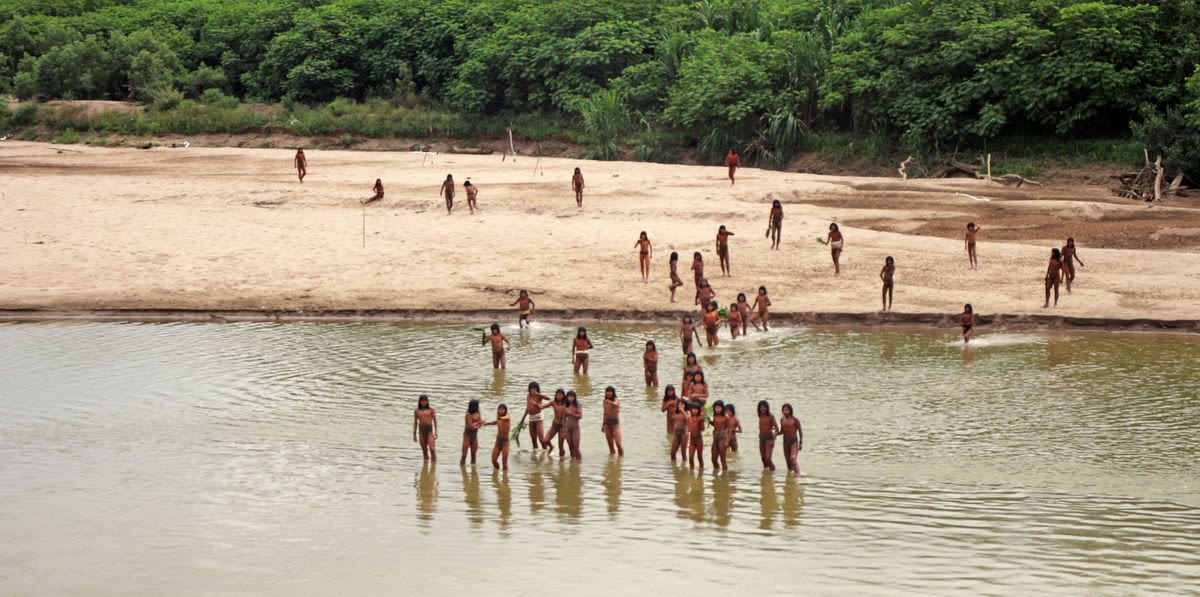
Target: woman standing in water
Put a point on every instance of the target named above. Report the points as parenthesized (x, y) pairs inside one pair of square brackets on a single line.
[(650, 364), (668, 405), (775, 224), (720, 426), (735, 427), (835, 241), (503, 424), (1069, 256), (767, 429), (612, 422), (793, 438), (572, 413), (1053, 276), (471, 432), (645, 252), (679, 419), (696, 434), (687, 331), (425, 422), (580, 348), (556, 426)]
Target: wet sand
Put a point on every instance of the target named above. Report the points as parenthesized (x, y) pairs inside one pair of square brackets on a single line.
[(172, 232)]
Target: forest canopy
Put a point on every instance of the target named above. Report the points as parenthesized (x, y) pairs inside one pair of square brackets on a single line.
[(758, 74)]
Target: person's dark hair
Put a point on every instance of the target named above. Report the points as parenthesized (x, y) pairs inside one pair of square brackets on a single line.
[(701, 380), (644, 235), (577, 170), (890, 260), (669, 393), (674, 256), (776, 203), (533, 385), (420, 399), (651, 346), (610, 389), (468, 183), (833, 227), (1055, 253), (764, 408), (722, 228), (762, 289), (571, 399), (694, 406), (300, 149), (690, 359), (730, 410), (523, 292), (559, 395), (681, 406), (582, 331), (495, 327), (449, 176), (503, 407), (1070, 240), (697, 255), (718, 404), (970, 225), (967, 308), (378, 181), (787, 410), (473, 407), (711, 306), (741, 296)]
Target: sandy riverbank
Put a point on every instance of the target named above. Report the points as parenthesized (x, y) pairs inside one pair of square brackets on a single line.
[(231, 230)]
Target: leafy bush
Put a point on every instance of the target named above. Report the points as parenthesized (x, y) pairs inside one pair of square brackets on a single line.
[(164, 98)]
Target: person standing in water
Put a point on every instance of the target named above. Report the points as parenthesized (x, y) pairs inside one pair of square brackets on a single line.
[(720, 443), (887, 274), (690, 367), (1053, 276), (572, 413), (676, 281), (556, 425), (525, 306), (775, 224), (744, 309), (612, 422), (695, 435), (967, 320), (735, 321), (472, 192), (503, 425), (735, 427), (1069, 256), (668, 405), (793, 438), (768, 428), (712, 324), (687, 331), (378, 196), (447, 191), (471, 426), (972, 231), (723, 249), (678, 419), (650, 364), (535, 403), (761, 303), (733, 162), (645, 252), (580, 348), (698, 391), (835, 242), (499, 342), (577, 186), (425, 423), (301, 163)]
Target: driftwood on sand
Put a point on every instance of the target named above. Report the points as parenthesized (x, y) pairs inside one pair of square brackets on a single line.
[(981, 170), (1147, 184)]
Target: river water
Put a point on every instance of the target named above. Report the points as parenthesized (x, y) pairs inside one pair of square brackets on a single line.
[(252, 459)]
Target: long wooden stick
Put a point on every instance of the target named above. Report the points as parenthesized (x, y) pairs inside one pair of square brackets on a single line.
[(364, 226)]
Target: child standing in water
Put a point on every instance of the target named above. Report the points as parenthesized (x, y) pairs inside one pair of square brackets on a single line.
[(690, 367), (580, 347), (735, 320), (645, 252), (577, 186), (886, 274), (699, 389), (972, 230), (775, 224), (447, 191), (735, 427), (612, 422), (676, 281), (704, 295), (761, 302), (535, 403), (696, 435), (471, 426), (425, 422), (503, 424), (967, 320), (836, 241), (1069, 256), (767, 429), (650, 364), (733, 161), (499, 342), (743, 308), (472, 192), (378, 196), (668, 405), (524, 306), (720, 426), (1053, 276), (572, 413), (712, 324), (687, 331), (301, 163), (723, 249), (697, 267), (556, 426), (793, 438), (678, 419)]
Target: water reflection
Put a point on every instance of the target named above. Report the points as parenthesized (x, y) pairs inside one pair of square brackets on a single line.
[(583, 386), (612, 484), (568, 490), (889, 349), (793, 501), (503, 497), (537, 490), (768, 502), (499, 381), (968, 357), (689, 493), (470, 482), (1059, 351), (723, 487), (426, 486)]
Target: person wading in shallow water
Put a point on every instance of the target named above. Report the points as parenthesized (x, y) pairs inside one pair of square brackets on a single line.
[(425, 428)]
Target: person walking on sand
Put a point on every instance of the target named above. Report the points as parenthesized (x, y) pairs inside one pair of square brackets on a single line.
[(499, 343), (472, 192), (645, 252), (301, 164), (1069, 256), (580, 347), (768, 428), (723, 249), (775, 224), (967, 321), (378, 196), (972, 230), (733, 162), (425, 428), (447, 191), (676, 281), (1053, 276), (835, 241), (612, 422), (471, 433), (577, 186), (887, 274)]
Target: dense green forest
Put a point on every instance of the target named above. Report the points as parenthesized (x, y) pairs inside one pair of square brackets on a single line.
[(772, 77)]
